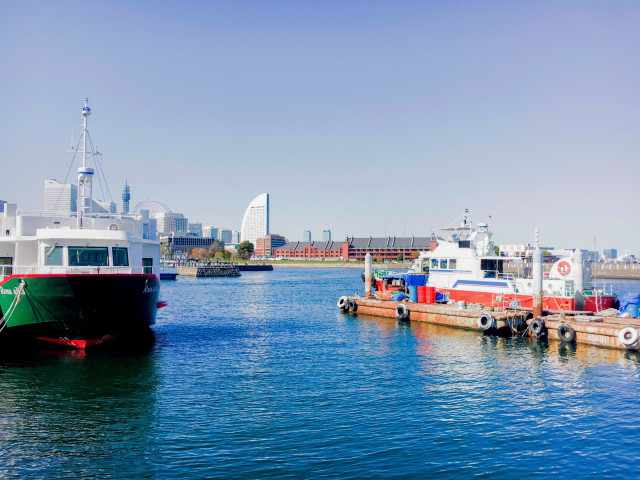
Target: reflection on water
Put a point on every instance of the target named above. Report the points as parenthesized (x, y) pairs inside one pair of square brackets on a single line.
[(260, 376), (67, 411)]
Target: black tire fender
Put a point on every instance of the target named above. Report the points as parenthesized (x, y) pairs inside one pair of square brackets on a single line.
[(538, 326), (402, 312), (566, 333)]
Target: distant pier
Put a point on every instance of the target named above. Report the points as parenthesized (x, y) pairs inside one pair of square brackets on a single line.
[(213, 270)]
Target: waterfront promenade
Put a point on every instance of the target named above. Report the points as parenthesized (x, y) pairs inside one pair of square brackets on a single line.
[(610, 271)]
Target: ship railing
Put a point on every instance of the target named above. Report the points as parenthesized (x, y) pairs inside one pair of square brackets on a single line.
[(506, 276), (7, 270)]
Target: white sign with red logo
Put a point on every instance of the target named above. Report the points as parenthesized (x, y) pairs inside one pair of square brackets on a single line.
[(564, 268)]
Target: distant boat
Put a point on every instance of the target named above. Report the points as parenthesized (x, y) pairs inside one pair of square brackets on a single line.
[(81, 278), (168, 270)]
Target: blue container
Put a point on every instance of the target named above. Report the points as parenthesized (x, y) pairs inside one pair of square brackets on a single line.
[(631, 305), (413, 293)]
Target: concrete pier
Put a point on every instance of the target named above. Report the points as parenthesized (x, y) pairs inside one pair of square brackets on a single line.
[(610, 332)]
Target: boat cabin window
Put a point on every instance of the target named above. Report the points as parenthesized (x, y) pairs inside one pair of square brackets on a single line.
[(434, 263), (6, 267), (464, 244), (88, 256), (53, 256), (452, 263), (491, 267), (120, 257), (147, 263), (443, 263)]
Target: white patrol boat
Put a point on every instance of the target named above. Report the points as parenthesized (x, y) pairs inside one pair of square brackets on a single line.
[(465, 267)]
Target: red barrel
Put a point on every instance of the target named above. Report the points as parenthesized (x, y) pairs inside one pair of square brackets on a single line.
[(422, 294), (430, 295)]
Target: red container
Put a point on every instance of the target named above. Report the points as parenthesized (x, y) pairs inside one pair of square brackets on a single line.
[(430, 295), (422, 294)]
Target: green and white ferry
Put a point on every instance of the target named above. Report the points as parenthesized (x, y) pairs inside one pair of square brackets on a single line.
[(77, 278)]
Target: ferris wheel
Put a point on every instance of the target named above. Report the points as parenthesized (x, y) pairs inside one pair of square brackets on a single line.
[(155, 206)]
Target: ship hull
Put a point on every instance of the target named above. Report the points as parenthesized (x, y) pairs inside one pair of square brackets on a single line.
[(78, 310), (548, 302), (497, 298)]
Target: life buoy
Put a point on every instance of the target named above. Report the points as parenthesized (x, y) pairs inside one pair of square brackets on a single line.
[(538, 327), (566, 333), (564, 268), (353, 306), (486, 322), (628, 336), (402, 312), (343, 303)]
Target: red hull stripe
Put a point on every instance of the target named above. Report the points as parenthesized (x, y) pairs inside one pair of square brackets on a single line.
[(78, 343), (161, 304)]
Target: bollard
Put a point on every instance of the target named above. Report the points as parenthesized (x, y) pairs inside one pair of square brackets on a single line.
[(537, 279), (578, 279), (367, 275)]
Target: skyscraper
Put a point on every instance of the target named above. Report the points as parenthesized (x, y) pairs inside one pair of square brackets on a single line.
[(306, 236), (255, 223), (60, 198), (326, 235), (126, 197)]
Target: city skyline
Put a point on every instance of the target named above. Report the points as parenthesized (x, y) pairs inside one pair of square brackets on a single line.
[(527, 113)]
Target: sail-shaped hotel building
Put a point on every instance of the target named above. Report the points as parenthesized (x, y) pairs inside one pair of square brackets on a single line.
[(255, 223)]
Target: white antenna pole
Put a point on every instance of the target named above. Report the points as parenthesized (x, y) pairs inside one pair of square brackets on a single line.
[(85, 174)]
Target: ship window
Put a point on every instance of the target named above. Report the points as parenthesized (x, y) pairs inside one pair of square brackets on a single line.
[(443, 263), (434, 263), (53, 256), (88, 256), (120, 257), (147, 264), (452, 263), (6, 266)]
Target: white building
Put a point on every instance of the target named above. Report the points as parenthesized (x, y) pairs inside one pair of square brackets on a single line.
[(60, 198), (255, 223), (210, 232), (326, 235), (169, 223), (306, 236), (235, 237)]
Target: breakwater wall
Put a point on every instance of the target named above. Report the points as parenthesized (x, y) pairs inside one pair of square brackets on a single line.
[(248, 267), (210, 271)]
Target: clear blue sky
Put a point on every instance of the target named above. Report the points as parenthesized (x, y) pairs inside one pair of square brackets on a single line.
[(354, 116)]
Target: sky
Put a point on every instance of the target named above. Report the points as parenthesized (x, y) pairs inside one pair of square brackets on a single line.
[(362, 117)]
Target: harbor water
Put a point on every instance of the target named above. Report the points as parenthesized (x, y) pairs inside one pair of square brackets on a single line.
[(260, 376)]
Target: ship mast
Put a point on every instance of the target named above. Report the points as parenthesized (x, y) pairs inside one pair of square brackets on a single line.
[(85, 173)]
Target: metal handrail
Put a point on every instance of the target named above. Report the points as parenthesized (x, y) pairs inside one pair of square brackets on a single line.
[(6, 270)]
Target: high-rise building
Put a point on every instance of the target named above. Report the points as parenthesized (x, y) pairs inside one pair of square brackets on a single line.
[(255, 223), (126, 197), (100, 206), (194, 229), (235, 237), (326, 235), (60, 198), (610, 253), (224, 235), (306, 236), (210, 232), (169, 223)]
